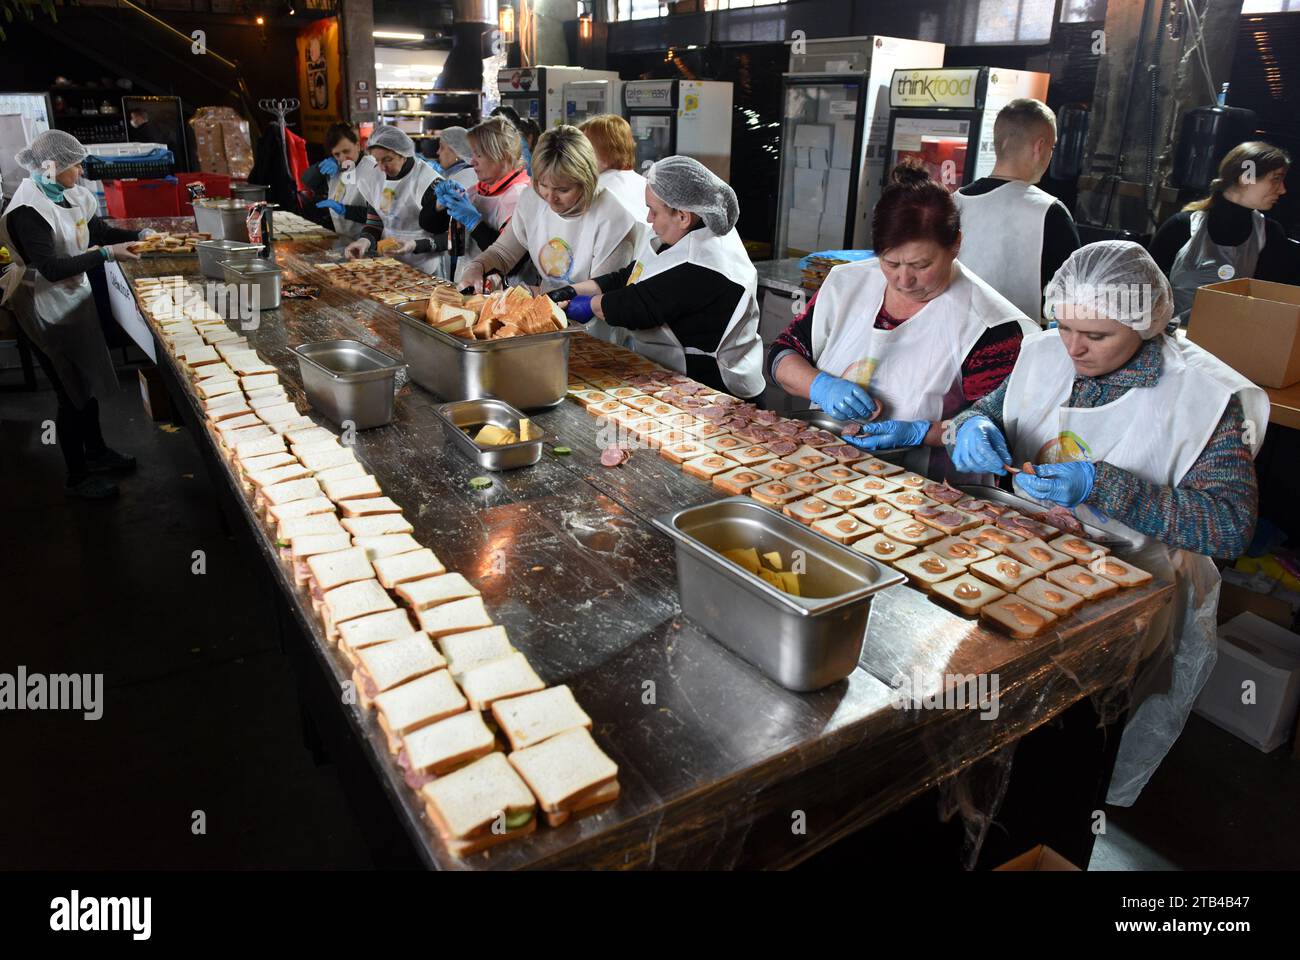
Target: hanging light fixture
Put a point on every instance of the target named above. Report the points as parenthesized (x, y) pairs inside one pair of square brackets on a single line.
[(506, 22), (584, 20)]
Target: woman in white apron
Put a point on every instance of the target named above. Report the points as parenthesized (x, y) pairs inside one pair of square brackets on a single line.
[(1147, 436), (483, 209), (452, 163), (1226, 235), (611, 136), (335, 178), (566, 226), (910, 337), (688, 299), (55, 236), (398, 190)]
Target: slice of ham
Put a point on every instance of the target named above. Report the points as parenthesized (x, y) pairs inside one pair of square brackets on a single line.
[(841, 451), (851, 429), (788, 428), (714, 412), (766, 416), (943, 492), (783, 448), (614, 457), (1059, 517)]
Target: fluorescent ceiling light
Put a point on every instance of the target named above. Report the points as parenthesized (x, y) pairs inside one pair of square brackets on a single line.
[(395, 35)]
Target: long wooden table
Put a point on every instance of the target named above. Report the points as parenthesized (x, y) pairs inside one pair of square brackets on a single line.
[(716, 761)]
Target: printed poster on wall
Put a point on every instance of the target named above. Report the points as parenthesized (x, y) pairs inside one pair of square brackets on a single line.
[(320, 78)]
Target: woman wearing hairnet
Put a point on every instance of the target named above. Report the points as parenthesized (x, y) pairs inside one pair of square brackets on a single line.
[(52, 229), (453, 162), (400, 194), (568, 225), (1142, 434), (689, 296)]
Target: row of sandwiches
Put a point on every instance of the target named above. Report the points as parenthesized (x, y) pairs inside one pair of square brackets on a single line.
[(473, 728)]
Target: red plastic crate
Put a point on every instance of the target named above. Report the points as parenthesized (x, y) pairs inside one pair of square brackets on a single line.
[(141, 198), (215, 184)]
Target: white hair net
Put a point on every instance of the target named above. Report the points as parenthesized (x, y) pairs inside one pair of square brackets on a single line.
[(458, 139), (686, 184), (63, 150), (392, 139), (1115, 279)]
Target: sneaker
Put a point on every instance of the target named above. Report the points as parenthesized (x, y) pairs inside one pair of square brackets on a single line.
[(110, 461), (92, 488)]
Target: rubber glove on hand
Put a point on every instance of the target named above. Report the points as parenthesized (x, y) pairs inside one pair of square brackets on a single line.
[(357, 248), (579, 309), (146, 233), (980, 448), (459, 206), (400, 247), (527, 155), (329, 166), (1067, 484), (434, 164), (331, 205), (472, 278), (122, 251), (842, 399), (890, 433)]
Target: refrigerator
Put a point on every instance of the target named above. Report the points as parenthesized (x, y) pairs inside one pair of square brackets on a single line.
[(834, 133), (23, 117), (584, 99), (691, 118), (944, 118), (538, 92)]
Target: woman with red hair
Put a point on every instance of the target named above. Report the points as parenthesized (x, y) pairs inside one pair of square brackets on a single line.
[(909, 338)]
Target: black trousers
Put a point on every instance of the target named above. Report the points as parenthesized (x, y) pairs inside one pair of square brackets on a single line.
[(76, 429)]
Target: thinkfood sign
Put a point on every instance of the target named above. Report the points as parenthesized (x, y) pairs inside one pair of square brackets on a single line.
[(934, 88)]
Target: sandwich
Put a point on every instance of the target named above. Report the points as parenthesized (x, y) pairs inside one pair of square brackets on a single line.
[(480, 805), (384, 666), (316, 459), (308, 545), (325, 571), (299, 508), (367, 506), (416, 565), (508, 676), (301, 526), (353, 489), (288, 491), (467, 650), (387, 545), (454, 617), (344, 471), (375, 628), (422, 701), (534, 717), (439, 748), (432, 591), (353, 600), (373, 526), (567, 773)]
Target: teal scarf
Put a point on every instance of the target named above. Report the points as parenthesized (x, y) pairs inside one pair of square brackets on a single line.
[(51, 188)]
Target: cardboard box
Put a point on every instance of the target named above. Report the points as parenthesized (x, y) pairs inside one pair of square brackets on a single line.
[(1039, 858), (803, 230), (801, 157), (819, 159), (1254, 691), (842, 148), (837, 190), (1251, 325), (154, 394), (816, 135), (1241, 594), (809, 190)]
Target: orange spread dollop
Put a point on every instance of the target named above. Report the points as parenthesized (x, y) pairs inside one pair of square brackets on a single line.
[(966, 591)]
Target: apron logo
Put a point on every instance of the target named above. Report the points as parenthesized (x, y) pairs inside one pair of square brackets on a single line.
[(861, 371), (386, 204), (556, 258), (636, 273), (1226, 272), (1065, 448)]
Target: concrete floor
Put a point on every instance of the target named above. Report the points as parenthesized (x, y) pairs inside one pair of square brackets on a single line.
[(201, 711)]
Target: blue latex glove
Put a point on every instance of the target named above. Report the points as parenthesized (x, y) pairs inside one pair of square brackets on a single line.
[(329, 166), (579, 309), (432, 162), (980, 448), (842, 399), (527, 154), (458, 204), (332, 205), (890, 433), (1067, 484)]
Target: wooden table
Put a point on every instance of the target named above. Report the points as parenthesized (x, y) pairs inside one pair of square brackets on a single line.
[(716, 764)]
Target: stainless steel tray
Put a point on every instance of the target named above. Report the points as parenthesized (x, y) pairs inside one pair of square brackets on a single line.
[(212, 253), (346, 380), (998, 495), (460, 414), (529, 373), (803, 643), (262, 274), (225, 219)]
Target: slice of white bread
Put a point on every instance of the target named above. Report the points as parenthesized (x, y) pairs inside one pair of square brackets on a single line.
[(322, 458), (375, 628), (280, 512), (387, 545), (534, 717), (455, 617), (388, 664), (447, 744), (367, 506), (377, 525), (592, 798), (267, 461), (465, 805), (276, 475), (352, 489), (291, 490), (507, 676), (353, 600), (316, 523), (418, 703), (398, 569), (465, 651), (564, 769), (432, 591), (344, 471), (330, 570), (310, 544), (311, 437)]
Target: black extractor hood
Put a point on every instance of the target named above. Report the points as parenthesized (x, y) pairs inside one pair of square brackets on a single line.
[(457, 91)]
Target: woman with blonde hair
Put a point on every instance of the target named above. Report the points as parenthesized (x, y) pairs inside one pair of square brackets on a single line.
[(568, 225), (1226, 234), (611, 136), (484, 209)]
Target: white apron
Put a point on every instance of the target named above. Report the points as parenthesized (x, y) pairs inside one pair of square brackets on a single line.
[(1002, 241), (497, 209), (912, 368), (1203, 261), (567, 250), (398, 204), (628, 187), (61, 317), (464, 175), (740, 351), (343, 188), (1156, 433)]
